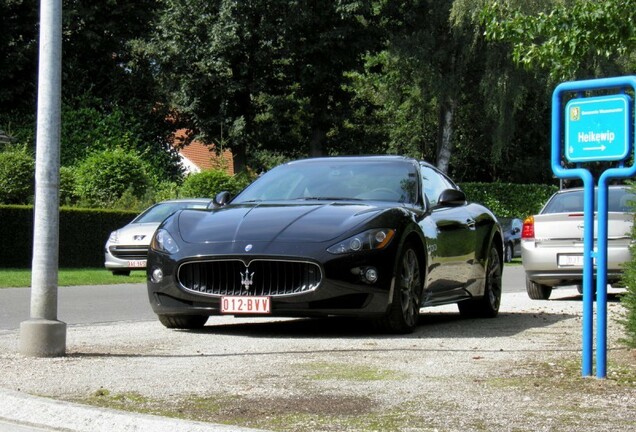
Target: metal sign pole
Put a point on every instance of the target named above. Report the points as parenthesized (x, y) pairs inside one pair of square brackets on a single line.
[(43, 335), (588, 221), (599, 129)]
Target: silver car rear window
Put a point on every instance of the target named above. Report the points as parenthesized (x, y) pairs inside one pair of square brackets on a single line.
[(618, 200)]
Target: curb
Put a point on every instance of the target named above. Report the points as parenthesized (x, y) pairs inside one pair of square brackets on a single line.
[(34, 413)]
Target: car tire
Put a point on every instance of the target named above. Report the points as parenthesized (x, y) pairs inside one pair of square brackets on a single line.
[(508, 253), (488, 305), (121, 272), (183, 321), (404, 311), (537, 291), (579, 289)]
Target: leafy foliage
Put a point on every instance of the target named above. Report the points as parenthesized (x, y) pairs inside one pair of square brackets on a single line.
[(509, 200), (629, 280), (103, 177), (580, 38), (629, 299), (207, 184), (260, 75), (18, 51), (17, 170), (88, 127)]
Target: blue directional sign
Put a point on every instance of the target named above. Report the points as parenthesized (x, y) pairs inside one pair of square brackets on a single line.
[(597, 128)]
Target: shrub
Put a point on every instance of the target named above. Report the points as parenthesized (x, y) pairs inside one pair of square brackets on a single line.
[(629, 299), (17, 171), (103, 178), (508, 199), (68, 182), (207, 184)]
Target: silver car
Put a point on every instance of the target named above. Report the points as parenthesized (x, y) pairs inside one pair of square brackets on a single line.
[(552, 241), (127, 248)]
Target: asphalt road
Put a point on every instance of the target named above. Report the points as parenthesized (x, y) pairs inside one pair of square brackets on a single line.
[(80, 304), (126, 302)]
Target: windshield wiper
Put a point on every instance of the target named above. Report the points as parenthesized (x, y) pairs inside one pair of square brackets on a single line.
[(327, 198)]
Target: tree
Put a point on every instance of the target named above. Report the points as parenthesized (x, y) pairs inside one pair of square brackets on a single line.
[(18, 51), (424, 39), (576, 39), (88, 127), (256, 74)]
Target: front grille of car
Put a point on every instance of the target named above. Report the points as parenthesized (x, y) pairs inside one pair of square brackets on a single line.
[(259, 278), (129, 252)]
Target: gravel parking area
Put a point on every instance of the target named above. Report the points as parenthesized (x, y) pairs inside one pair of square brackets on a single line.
[(518, 372)]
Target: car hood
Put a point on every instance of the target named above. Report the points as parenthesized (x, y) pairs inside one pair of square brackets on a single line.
[(137, 233), (315, 222)]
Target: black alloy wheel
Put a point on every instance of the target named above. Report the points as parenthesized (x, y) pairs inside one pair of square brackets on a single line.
[(404, 312), (488, 305)]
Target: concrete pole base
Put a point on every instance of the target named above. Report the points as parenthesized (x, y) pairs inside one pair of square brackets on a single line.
[(42, 338)]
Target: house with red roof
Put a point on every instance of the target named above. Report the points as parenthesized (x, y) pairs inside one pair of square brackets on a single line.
[(197, 156)]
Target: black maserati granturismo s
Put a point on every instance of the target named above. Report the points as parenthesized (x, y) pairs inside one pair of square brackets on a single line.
[(375, 237)]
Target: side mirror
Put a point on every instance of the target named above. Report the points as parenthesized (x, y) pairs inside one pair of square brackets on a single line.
[(221, 199), (451, 198)]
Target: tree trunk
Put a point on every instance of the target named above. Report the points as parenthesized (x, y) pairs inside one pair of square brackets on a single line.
[(316, 145), (239, 159), (445, 144)]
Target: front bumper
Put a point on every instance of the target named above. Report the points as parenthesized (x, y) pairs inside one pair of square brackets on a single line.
[(339, 292), (122, 257)]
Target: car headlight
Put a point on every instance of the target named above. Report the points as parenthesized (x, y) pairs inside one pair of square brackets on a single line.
[(372, 239), (114, 237), (162, 241)]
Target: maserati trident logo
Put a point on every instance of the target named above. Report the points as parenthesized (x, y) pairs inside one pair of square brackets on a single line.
[(247, 279)]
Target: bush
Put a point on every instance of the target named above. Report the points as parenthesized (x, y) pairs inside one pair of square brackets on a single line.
[(509, 199), (68, 184), (104, 177), (17, 172), (207, 184), (629, 299)]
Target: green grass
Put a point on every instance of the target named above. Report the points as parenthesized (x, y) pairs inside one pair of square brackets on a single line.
[(17, 278)]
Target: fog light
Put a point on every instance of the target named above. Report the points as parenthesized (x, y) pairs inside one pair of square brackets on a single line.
[(156, 276), (371, 274)]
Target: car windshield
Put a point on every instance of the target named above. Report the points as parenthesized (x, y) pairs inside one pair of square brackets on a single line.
[(159, 212), (336, 179), (618, 200)]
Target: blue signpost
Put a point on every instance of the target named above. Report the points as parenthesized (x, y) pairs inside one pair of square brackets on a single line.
[(597, 129)]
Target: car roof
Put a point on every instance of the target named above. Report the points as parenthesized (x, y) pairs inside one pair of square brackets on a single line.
[(364, 158), (353, 159)]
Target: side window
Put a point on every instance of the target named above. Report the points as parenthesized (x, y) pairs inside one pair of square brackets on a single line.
[(433, 183)]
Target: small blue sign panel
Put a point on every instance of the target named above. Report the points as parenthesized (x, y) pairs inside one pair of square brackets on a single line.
[(597, 129)]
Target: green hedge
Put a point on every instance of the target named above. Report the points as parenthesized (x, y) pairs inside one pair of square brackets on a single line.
[(509, 199), (83, 234)]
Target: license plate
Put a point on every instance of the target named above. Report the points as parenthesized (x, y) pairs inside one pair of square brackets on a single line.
[(245, 305), (137, 263), (570, 260)]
